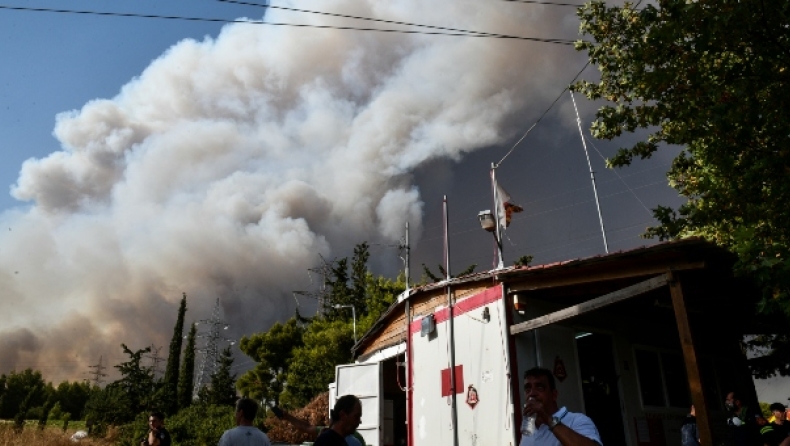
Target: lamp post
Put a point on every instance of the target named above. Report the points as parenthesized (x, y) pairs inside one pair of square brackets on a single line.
[(353, 315)]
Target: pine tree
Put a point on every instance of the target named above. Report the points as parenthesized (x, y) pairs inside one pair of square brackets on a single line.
[(187, 376), (223, 383), (170, 382)]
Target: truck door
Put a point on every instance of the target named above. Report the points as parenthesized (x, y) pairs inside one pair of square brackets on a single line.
[(363, 381)]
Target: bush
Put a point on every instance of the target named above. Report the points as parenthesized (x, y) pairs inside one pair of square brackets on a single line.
[(196, 425)]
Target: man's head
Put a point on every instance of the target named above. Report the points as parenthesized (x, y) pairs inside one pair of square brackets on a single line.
[(155, 420), (346, 415), (246, 409), (779, 412), (539, 385), (733, 401)]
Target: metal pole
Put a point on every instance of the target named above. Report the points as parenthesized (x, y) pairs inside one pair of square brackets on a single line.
[(454, 406), (592, 174), (408, 248), (498, 232), (354, 318)]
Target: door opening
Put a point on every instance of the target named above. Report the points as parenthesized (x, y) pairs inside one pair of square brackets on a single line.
[(393, 414), (600, 386)]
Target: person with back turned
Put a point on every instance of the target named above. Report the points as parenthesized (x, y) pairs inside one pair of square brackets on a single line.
[(244, 434)]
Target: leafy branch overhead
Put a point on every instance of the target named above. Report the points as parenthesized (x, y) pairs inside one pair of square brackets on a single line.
[(712, 77)]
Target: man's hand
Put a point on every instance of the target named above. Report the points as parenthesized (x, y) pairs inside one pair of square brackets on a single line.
[(536, 408)]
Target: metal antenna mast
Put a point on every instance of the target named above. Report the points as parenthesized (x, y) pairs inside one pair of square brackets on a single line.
[(208, 364), (97, 372), (592, 173)]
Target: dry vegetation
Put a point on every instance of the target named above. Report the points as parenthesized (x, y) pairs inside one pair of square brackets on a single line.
[(34, 436), (316, 413)]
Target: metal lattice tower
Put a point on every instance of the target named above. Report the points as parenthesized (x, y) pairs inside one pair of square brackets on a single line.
[(155, 360), (98, 372), (209, 362)]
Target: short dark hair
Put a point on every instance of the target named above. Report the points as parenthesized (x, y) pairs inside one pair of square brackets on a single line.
[(345, 403), (537, 372), (248, 408), (777, 407), (157, 414)]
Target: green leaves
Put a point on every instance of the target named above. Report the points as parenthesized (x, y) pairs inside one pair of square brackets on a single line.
[(709, 76)]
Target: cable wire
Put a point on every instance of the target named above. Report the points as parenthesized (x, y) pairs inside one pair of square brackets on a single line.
[(535, 2), (332, 14), (295, 25), (544, 114)]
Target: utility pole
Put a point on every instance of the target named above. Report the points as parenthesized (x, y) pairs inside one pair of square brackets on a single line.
[(406, 262), (208, 364), (97, 372)]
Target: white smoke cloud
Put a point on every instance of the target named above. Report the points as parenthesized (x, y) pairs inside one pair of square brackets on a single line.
[(229, 164)]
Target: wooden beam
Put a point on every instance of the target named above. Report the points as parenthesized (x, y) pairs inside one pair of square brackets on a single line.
[(590, 305), (548, 279), (690, 357)]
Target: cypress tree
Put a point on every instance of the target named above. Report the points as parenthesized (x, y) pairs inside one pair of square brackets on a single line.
[(187, 376), (170, 382)]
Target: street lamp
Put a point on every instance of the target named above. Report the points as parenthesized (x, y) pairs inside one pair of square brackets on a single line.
[(353, 315)]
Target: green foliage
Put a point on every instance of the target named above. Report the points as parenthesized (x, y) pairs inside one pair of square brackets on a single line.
[(443, 273), (326, 344), (273, 350), (71, 398), (186, 379), (169, 395), (523, 261), (28, 386), (137, 382), (712, 77), (222, 390), (200, 424), (106, 407), (765, 410)]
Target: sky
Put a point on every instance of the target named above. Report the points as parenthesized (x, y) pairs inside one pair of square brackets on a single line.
[(144, 158)]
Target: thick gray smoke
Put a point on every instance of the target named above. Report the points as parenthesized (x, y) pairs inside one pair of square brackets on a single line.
[(230, 164)]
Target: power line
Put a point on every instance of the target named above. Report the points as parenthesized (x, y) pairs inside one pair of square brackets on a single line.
[(346, 16), (535, 2), (544, 113), (295, 25)]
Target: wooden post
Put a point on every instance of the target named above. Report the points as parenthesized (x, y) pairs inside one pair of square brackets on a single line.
[(690, 357)]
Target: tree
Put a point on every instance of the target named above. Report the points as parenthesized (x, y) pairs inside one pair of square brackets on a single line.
[(273, 350), (327, 343), (222, 390), (186, 379), (26, 387), (137, 382), (712, 77), (106, 407), (169, 394)]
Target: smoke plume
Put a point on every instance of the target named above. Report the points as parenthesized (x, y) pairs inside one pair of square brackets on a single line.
[(230, 164)]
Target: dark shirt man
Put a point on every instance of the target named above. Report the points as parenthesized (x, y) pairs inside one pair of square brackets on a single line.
[(157, 434), (554, 426), (345, 419), (773, 434), (742, 421)]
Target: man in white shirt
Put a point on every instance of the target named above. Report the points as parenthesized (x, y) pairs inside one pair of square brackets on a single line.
[(554, 426), (245, 434)]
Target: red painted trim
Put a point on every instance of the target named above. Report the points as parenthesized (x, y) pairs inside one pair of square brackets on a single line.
[(463, 306), (410, 387)]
